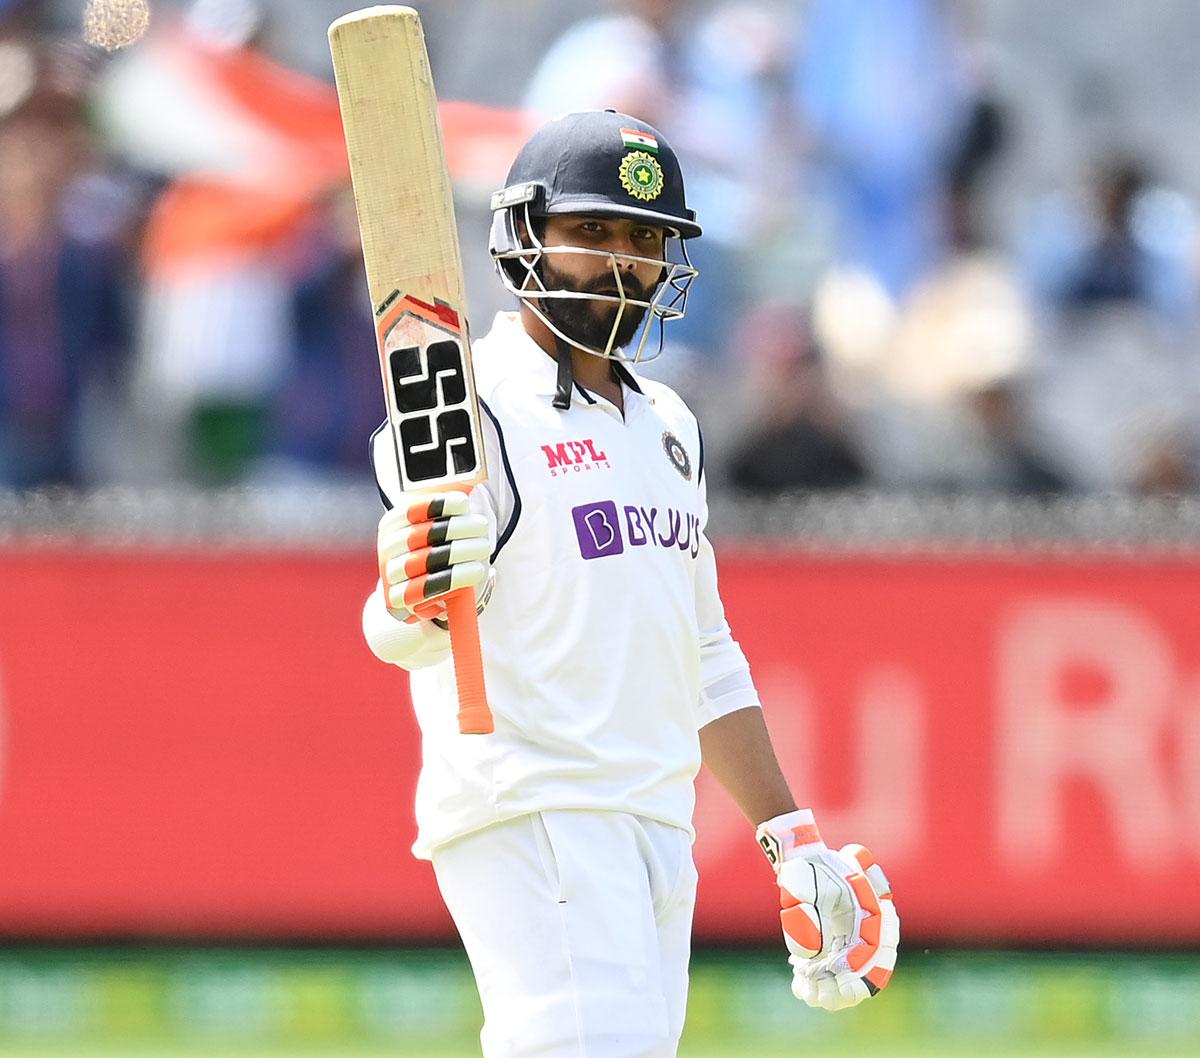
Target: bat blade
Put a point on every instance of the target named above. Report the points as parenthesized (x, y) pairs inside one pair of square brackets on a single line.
[(414, 278), (397, 161)]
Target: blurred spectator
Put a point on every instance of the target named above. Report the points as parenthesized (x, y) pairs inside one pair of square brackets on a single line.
[(1166, 469), (936, 384), (968, 331), (735, 130), (64, 226), (250, 147), (1129, 241), (939, 379), (1118, 378), (1115, 398), (17, 16), (884, 89), (795, 436), (1014, 465), (1114, 267), (329, 401), (933, 376), (624, 59)]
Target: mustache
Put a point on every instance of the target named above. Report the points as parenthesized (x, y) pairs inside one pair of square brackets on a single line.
[(606, 285)]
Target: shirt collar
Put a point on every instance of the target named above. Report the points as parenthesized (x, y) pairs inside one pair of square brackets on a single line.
[(626, 375), (539, 367)]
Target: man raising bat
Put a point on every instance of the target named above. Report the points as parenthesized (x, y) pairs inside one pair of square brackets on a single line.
[(562, 840)]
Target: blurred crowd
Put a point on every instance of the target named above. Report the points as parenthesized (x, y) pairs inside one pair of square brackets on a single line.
[(181, 294)]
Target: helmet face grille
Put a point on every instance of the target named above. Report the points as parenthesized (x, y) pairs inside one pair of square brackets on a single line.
[(519, 261)]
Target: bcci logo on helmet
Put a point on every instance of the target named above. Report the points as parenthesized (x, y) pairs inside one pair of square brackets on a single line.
[(641, 175)]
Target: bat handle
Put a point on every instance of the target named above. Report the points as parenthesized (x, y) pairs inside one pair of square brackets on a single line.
[(474, 715)]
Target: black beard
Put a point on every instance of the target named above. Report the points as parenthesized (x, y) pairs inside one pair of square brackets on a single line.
[(577, 318)]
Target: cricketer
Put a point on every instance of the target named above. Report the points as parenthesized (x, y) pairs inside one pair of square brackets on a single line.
[(562, 841)]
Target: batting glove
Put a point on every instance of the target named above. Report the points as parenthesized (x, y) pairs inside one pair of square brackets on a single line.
[(430, 546), (839, 922)]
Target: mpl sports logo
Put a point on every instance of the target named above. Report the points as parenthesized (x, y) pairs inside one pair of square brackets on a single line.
[(603, 530), (574, 457)]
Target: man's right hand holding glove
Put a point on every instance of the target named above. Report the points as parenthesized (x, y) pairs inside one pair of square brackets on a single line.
[(428, 547)]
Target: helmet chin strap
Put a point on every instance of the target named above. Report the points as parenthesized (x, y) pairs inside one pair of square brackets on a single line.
[(566, 374), (565, 355)]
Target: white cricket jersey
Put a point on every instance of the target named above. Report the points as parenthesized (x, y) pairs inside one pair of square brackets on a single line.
[(605, 644)]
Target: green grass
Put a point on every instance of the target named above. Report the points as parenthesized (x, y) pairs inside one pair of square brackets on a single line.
[(731, 1049), (331, 1003)]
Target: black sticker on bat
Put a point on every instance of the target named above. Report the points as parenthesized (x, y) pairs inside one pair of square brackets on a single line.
[(426, 459), (431, 391), (417, 387)]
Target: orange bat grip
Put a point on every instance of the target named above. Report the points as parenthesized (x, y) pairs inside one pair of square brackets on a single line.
[(474, 715)]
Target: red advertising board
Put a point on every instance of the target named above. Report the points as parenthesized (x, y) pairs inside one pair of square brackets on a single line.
[(201, 745)]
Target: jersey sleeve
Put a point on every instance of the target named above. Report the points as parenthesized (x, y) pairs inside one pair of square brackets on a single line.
[(725, 683), (411, 646)]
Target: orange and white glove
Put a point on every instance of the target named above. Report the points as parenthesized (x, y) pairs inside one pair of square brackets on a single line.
[(839, 922), (429, 546)]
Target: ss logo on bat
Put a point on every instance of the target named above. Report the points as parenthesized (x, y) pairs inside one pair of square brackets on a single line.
[(427, 384)]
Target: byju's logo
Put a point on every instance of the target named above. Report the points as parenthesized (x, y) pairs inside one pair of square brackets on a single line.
[(599, 529), (598, 526)]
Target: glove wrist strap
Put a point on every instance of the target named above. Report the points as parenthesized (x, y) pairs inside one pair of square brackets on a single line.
[(788, 836)]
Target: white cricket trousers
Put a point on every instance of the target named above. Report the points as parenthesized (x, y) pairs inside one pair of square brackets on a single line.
[(578, 927)]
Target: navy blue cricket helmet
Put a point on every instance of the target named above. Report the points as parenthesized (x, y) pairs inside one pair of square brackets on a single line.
[(604, 163), (598, 163)]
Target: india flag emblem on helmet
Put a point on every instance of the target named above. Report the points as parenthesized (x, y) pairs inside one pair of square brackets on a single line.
[(636, 140)]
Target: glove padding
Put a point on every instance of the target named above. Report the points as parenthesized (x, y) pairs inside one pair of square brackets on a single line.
[(428, 547), (839, 921)]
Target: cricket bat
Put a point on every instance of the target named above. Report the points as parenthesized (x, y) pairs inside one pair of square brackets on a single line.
[(415, 281)]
